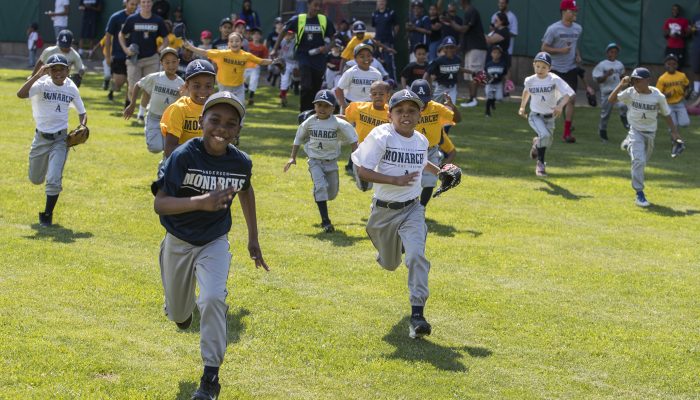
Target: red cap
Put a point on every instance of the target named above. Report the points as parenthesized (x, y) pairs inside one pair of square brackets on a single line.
[(206, 35), (568, 5), (239, 22)]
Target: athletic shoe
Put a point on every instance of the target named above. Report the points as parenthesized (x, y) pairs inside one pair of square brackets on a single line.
[(569, 139), (533, 149), (625, 145), (678, 147), (470, 103), (328, 227), (209, 388), (540, 169), (45, 219), (283, 102), (105, 84), (603, 135), (110, 96), (251, 102), (142, 120), (419, 327), (185, 324), (641, 201)]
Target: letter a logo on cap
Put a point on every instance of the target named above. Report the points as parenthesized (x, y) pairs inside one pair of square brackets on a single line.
[(407, 94), (420, 90), (198, 66), (323, 95)]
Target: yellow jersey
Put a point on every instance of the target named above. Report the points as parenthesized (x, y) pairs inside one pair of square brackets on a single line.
[(231, 65), (349, 50), (673, 86), (173, 41), (365, 117), (181, 119), (432, 119)]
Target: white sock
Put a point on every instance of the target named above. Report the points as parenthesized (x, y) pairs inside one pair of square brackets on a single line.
[(141, 111), (696, 86)]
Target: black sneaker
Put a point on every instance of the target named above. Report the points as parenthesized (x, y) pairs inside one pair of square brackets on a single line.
[(110, 96), (328, 227), (603, 135), (185, 324), (419, 327), (209, 388), (45, 219)]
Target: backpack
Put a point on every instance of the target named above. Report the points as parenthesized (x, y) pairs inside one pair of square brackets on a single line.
[(39, 41)]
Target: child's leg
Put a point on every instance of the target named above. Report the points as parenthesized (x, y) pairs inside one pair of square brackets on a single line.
[(154, 138), (679, 115), (39, 159), (383, 230), (177, 276), (253, 83), (330, 169), (320, 188), (57, 160), (605, 110), (413, 232), (640, 148), (541, 126)]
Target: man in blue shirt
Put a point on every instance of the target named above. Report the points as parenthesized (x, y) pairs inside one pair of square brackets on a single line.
[(418, 28), (386, 29), (116, 58)]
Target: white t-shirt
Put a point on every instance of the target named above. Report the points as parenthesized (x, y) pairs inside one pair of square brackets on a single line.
[(385, 151), (50, 103), (613, 80), (544, 93), (31, 40), (61, 20), (74, 60), (163, 91), (512, 27), (356, 82), (642, 109), (322, 137)]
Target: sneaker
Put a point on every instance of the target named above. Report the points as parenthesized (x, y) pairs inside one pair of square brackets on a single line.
[(45, 219), (569, 139), (105, 84), (677, 149), (540, 169), (603, 135), (625, 145), (209, 388), (470, 103), (251, 102), (328, 227), (142, 120), (110, 96), (641, 200), (419, 327), (185, 324), (283, 102), (533, 149)]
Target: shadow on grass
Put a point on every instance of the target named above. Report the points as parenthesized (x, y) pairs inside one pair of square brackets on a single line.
[(57, 233), (338, 238), (670, 212), (556, 190), (441, 357), (439, 229)]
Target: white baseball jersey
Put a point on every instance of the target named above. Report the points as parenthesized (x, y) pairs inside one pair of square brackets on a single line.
[(163, 90), (50, 103), (544, 93), (356, 82), (74, 60), (385, 151), (322, 137), (642, 109), (60, 20), (613, 80)]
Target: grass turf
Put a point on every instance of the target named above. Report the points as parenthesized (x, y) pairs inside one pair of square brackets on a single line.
[(540, 288)]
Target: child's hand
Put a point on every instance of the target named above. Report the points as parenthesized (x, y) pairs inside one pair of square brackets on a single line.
[(44, 70), (522, 112), (407, 179), (129, 111), (557, 110), (625, 81), (216, 199), (256, 255), (289, 164), (447, 100)]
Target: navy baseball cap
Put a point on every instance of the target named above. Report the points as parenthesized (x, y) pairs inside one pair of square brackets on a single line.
[(226, 20), (224, 97), (325, 96), (671, 56), (358, 27), (421, 87), (57, 59), (497, 47), (544, 57), (447, 41), (405, 95), (612, 45), (198, 67), (65, 39), (640, 73), (363, 46)]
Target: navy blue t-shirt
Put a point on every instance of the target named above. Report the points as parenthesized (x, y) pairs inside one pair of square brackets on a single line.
[(448, 30), (143, 32), (496, 70), (191, 171), (114, 26), (384, 23), (312, 38), (445, 69), (416, 37)]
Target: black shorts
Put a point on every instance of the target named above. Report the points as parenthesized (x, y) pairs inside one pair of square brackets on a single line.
[(570, 77), (89, 28), (118, 66)]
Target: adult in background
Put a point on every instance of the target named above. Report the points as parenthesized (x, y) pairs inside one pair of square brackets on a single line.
[(91, 12), (162, 8), (695, 56), (435, 36), (512, 22), (418, 28), (59, 16), (500, 35), (386, 28), (473, 47), (676, 30), (446, 18), (250, 16), (116, 58), (138, 40), (313, 32), (561, 42)]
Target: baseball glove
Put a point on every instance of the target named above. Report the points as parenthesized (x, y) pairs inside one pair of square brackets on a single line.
[(78, 136), (450, 176), (592, 101), (480, 78), (77, 79), (678, 147)]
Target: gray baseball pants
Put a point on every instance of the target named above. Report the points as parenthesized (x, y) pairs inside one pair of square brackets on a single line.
[(679, 114), (434, 156), (606, 109), (393, 230), (641, 145), (544, 127), (181, 266), (47, 158), (324, 174), (154, 137)]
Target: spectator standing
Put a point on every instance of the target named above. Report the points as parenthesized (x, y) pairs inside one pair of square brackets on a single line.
[(386, 28), (448, 16), (91, 12), (676, 30), (561, 42), (473, 47), (162, 8), (500, 35), (59, 15), (114, 54), (250, 16), (695, 55), (435, 36), (512, 23), (205, 38), (418, 28), (343, 32), (32, 43)]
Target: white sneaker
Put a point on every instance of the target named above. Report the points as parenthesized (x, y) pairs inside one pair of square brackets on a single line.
[(624, 146), (472, 103), (641, 200)]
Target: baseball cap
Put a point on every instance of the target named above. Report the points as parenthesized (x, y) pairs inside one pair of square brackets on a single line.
[(640, 73), (421, 87), (544, 57), (239, 22), (325, 96), (568, 5), (167, 50), (206, 34), (497, 47), (57, 59), (224, 97), (363, 46), (671, 56), (278, 20), (198, 67), (65, 39), (447, 41), (226, 20), (418, 3), (611, 45), (358, 27), (405, 95)]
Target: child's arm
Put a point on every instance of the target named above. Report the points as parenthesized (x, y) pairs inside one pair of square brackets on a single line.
[(23, 92), (196, 50), (672, 127), (624, 82), (560, 105), (247, 199), (129, 111), (523, 103), (211, 201), (292, 158), (448, 103), (376, 177), (340, 96)]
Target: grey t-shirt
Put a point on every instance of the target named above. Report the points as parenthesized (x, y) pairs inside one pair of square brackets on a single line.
[(322, 137), (609, 84), (559, 35)]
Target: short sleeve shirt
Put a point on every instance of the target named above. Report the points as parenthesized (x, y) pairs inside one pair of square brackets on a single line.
[(496, 70), (312, 37), (181, 119), (512, 27), (609, 84), (446, 70), (143, 32), (432, 120), (559, 36), (191, 171), (258, 50), (473, 38), (50, 103), (349, 50), (448, 30), (231, 65), (417, 37), (114, 26), (413, 71), (365, 117), (384, 23), (163, 91), (643, 109), (673, 86), (89, 14), (73, 58), (61, 20), (356, 82), (677, 27), (544, 93), (322, 138)]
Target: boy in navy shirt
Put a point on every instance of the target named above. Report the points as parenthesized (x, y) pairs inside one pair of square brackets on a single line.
[(496, 69), (444, 70), (193, 195)]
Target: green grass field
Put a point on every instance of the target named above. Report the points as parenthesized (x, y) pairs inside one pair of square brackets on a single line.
[(540, 288)]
